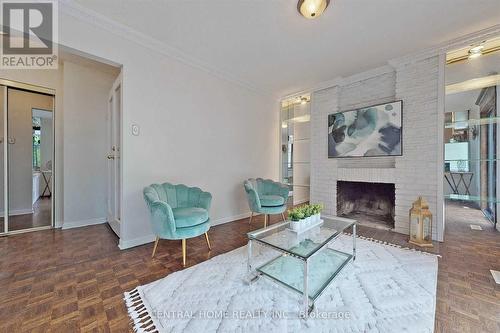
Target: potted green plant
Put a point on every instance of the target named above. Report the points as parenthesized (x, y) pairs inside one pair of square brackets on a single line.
[(295, 217), (307, 215), (303, 217), (316, 209)]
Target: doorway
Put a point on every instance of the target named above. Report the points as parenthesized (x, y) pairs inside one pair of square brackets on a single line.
[(114, 161), (26, 157)]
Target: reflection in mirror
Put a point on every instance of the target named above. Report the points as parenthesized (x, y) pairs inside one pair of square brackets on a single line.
[(2, 159), (471, 137), (30, 128), (295, 157)]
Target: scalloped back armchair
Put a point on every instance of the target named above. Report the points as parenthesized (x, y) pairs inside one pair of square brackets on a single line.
[(266, 197), (178, 212)]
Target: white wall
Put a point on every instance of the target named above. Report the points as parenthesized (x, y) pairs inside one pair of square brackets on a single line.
[(196, 128), (85, 103)]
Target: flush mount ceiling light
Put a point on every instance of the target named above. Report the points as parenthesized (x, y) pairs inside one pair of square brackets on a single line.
[(312, 8)]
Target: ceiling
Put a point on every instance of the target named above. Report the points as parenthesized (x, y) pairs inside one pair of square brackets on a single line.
[(268, 45)]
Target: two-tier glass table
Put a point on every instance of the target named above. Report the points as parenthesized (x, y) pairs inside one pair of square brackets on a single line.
[(305, 264)]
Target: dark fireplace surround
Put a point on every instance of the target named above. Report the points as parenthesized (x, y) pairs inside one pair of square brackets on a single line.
[(371, 204)]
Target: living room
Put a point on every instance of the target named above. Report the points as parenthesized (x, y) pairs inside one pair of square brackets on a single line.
[(306, 165)]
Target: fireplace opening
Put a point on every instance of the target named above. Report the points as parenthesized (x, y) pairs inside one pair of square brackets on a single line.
[(371, 204)]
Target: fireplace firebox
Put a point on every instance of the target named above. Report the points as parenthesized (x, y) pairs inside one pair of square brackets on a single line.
[(372, 204)]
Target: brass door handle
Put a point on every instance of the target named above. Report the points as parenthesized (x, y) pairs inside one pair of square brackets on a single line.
[(111, 157)]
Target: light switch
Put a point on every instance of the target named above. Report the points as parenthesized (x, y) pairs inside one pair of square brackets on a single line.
[(135, 129)]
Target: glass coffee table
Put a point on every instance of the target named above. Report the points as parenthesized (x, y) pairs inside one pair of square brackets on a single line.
[(305, 263)]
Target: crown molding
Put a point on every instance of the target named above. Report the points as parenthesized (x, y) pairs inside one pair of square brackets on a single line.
[(93, 18), (449, 45), (340, 81), (317, 87), (395, 63), (371, 73)]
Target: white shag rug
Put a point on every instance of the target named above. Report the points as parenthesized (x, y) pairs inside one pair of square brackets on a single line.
[(386, 289)]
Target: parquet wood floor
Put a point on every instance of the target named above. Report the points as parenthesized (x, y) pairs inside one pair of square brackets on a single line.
[(73, 280), (41, 216)]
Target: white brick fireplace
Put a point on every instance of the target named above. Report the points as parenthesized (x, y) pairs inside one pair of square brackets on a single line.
[(414, 173)]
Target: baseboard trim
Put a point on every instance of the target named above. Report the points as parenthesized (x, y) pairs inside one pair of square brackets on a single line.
[(83, 223), (232, 218), (18, 212), (127, 244)]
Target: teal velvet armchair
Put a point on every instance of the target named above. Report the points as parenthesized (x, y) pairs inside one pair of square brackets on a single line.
[(178, 212), (266, 197)]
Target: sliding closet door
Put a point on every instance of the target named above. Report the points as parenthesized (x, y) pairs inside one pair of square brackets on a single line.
[(30, 147), (3, 100)]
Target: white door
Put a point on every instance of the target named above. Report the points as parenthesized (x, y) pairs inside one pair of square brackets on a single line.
[(114, 150)]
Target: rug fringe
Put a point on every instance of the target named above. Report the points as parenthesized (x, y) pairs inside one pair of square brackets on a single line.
[(140, 319), (392, 244)]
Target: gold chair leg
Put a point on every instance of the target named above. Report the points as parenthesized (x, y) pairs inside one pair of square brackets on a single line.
[(265, 220), (184, 252), (155, 246), (208, 241), (251, 216), (283, 216)]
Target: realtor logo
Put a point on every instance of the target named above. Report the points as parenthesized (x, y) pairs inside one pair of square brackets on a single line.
[(29, 35)]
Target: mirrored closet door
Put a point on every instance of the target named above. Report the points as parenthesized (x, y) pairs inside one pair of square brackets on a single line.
[(3, 143), (27, 159)]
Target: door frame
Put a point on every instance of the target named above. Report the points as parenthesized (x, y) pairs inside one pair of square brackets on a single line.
[(33, 89), (114, 223)]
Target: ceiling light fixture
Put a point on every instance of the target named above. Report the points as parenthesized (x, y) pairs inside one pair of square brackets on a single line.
[(476, 51), (312, 8)]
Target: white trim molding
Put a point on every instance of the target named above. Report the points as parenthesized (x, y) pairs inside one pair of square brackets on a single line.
[(18, 212), (232, 218), (449, 45), (393, 64), (441, 212), (127, 244), (83, 223)]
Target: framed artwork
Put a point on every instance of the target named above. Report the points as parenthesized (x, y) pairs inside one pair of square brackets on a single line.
[(366, 132)]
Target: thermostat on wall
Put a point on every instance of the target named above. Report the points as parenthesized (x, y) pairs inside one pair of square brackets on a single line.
[(135, 129)]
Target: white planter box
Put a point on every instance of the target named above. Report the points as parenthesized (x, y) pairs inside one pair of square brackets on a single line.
[(305, 224), (295, 225)]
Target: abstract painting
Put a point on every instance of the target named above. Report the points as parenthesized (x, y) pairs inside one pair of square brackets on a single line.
[(370, 131)]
